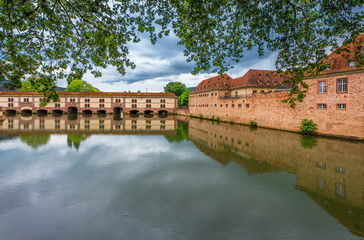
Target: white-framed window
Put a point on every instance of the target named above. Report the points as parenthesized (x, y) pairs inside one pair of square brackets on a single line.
[(341, 106), (322, 87), (342, 85), (321, 106)]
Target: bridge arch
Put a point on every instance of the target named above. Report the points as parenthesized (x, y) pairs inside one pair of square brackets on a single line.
[(101, 111), (26, 112), (87, 112), (162, 112), (117, 110), (42, 112), (10, 112), (57, 112), (148, 112), (72, 110)]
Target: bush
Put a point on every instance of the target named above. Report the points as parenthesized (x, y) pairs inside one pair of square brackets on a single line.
[(308, 126), (253, 124)]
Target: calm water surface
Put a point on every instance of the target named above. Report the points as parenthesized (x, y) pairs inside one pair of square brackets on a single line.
[(102, 177)]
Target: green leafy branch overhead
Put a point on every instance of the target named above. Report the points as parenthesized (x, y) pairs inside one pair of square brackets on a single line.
[(63, 39)]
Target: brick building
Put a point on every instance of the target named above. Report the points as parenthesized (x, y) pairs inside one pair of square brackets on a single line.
[(334, 101)]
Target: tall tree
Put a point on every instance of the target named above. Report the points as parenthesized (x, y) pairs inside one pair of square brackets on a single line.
[(183, 99), (175, 87), (78, 85), (57, 39)]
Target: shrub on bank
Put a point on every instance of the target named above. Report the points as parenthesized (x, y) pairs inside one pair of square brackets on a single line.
[(308, 126)]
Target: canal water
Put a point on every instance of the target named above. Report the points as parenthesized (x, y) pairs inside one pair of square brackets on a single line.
[(154, 177)]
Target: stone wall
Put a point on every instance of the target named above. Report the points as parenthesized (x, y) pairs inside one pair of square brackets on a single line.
[(268, 110)]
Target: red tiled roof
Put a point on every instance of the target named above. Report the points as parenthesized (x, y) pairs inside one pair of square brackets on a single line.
[(218, 82), (339, 61), (260, 78), (96, 94)]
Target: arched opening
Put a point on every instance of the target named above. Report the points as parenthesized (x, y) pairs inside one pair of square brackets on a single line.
[(134, 113), (42, 112), (118, 110), (57, 113), (86, 113), (101, 112), (72, 110), (148, 113), (26, 112), (162, 112), (10, 112)]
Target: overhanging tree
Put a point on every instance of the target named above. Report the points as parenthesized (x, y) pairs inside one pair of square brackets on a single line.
[(57, 39)]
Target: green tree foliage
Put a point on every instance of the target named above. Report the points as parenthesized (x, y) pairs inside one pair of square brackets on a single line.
[(183, 99), (57, 39), (75, 140), (27, 86), (175, 87), (35, 141), (78, 85), (181, 134)]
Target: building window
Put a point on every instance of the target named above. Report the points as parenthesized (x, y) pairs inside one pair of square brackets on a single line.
[(341, 106), (262, 91), (247, 105), (322, 106), (72, 100), (118, 100), (340, 190), (10, 104), (163, 101), (149, 100), (342, 85), (275, 83), (87, 100), (327, 67), (102, 105), (220, 105), (148, 105), (232, 105), (163, 105), (215, 105), (268, 82), (239, 105), (260, 82), (254, 91), (57, 105), (227, 105), (133, 105), (133, 100), (26, 99), (226, 95), (10, 99), (322, 87), (352, 64), (101, 100), (88, 105), (321, 165), (340, 169), (236, 94)]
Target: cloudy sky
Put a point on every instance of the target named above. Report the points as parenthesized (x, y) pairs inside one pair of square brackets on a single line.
[(164, 62)]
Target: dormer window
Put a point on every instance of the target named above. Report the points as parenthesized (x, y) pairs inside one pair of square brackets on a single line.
[(268, 82), (327, 67), (352, 64), (260, 82), (275, 82), (260, 74)]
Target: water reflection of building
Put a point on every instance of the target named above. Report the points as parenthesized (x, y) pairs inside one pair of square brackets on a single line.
[(89, 124), (331, 172)]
